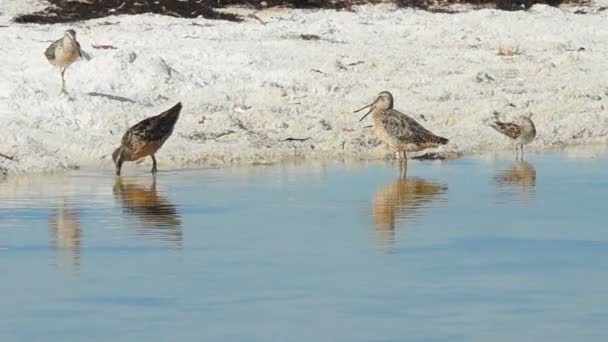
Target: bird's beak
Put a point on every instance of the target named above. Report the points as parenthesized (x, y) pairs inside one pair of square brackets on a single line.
[(360, 109)]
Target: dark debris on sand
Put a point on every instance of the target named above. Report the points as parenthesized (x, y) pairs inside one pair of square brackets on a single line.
[(438, 156), (506, 5), (62, 11)]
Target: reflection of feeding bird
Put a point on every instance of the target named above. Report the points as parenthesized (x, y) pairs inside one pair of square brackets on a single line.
[(153, 210), (520, 174), (63, 53), (402, 133), (401, 199), (64, 228), (146, 138), (521, 131)]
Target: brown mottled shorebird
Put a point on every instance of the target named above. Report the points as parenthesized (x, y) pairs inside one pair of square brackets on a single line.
[(402, 133), (146, 137), (521, 131), (63, 52)]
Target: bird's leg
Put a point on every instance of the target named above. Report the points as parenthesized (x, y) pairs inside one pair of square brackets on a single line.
[(403, 169), (118, 166), (522, 151), (153, 164), (403, 164), (62, 71)]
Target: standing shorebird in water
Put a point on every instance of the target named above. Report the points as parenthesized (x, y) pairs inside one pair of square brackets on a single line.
[(63, 52), (146, 138), (402, 133), (521, 131)]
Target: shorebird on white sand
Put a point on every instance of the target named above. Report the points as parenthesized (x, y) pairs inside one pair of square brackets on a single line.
[(63, 52), (402, 133), (522, 131), (146, 137)]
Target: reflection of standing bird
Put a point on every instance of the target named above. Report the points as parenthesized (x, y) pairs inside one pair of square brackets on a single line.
[(153, 210), (63, 53), (517, 183), (64, 228), (521, 131), (520, 174), (399, 131), (401, 199), (146, 137)]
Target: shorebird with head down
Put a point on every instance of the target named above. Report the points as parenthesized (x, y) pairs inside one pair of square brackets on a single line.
[(522, 131), (63, 52), (402, 133), (146, 138)]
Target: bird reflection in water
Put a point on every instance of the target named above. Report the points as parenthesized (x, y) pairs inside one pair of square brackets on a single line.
[(516, 183), (65, 235), (153, 214), (401, 200)]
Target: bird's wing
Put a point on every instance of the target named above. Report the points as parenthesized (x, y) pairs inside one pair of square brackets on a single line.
[(509, 129), (406, 129), (50, 51), (154, 128), (79, 49)]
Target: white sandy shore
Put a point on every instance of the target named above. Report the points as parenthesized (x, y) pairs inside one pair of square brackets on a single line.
[(248, 86)]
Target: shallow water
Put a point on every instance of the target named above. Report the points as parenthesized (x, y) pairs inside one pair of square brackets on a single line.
[(473, 249)]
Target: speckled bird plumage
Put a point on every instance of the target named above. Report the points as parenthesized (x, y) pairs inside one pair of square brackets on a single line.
[(63, 52), (522, 131), (401, 132), (146, 137)]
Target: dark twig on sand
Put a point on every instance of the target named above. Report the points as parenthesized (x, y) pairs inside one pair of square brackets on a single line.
[(438, 156), (295, 139), (202, 136), (11, 158), (257, 18), (103, 46)]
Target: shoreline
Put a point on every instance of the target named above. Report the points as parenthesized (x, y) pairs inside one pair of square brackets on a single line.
[(139, 169), (246, 87)]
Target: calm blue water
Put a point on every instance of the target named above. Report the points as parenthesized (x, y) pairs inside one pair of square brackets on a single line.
[(471, 249)]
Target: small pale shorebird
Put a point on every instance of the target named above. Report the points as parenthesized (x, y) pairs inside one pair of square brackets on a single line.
[(521, 131), (402, 133), (63, 52), (146, 137)]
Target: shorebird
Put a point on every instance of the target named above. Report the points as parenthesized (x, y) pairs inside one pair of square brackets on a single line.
[(146, 137), (521, 131), (63, 52), (402, 133)]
